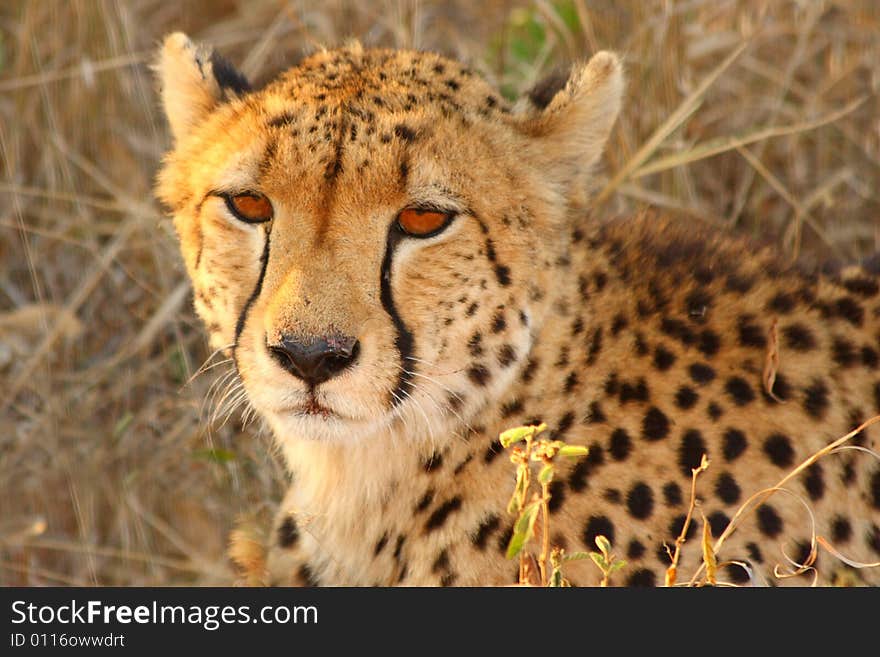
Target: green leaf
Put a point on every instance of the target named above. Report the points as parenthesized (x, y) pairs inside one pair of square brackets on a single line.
[(577, 556), (515, 435), (599, 560), (523, 530), (573, 451), (617, 565), (215, 454), (546, 474), (122, 424)]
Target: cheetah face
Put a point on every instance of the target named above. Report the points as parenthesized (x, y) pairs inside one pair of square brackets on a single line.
[(366, 236)]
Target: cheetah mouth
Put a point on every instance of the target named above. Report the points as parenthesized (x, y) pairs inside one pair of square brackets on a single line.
[(312, 408)]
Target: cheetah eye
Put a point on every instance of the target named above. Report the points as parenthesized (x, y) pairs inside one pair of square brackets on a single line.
[(250, 207), (423, 223)]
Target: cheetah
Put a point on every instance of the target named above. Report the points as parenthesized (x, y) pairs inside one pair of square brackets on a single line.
[(402, 264)]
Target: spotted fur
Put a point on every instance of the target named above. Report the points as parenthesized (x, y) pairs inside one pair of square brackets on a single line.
[(642, 338)]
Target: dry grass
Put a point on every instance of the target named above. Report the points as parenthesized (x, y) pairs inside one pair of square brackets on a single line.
[(106, 469)]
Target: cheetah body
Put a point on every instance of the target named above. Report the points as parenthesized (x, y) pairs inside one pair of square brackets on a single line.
[(643, 338)]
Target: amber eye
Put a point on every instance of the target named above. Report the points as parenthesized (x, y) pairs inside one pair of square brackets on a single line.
[(250, 207), (423, 223)]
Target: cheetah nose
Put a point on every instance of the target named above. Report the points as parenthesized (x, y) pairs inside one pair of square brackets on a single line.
[(315, 360)]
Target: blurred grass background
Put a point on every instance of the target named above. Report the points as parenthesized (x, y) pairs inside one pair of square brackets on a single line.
[(111, 470)]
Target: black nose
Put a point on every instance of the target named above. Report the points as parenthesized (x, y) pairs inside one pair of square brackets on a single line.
[(315, 360)]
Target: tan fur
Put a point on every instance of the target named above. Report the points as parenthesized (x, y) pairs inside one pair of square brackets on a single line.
[(641, 338)]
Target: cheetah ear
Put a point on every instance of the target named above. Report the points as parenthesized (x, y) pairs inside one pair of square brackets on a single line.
[(569, 118), (194, 79)]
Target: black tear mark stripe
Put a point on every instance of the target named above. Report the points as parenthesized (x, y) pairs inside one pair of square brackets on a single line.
[(242, 318), (403, 339)]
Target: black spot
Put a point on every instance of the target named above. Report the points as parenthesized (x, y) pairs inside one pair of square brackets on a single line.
[(493, 450), (640, 501), (307, 576), (380, 544), (485, 530), (816, 399), (870, 358), (663, 358), (736, 574), (769, 521), (438, 517), (739, 390), (714, 411), (441, 563), (577, 478), (841, 530), (557, 495), (504, 539), (754, 553), (282, 120), (672, 494), (595, 346), (697, 302), (675, 328), (778, 448), (849, 309), (475, 345), (781, 390), (691, 450), (479, 374), (499, 323), (571, 382), (620, 322), (642, 578), (620, 445), (634, 392), (506, 355), (655, 425), (472, 309), (404, 132), (844, 352), (685, 397), (433, 462), (288, 533), (677, 524), (426, 500), (595, 414), (798, 337), (701, 373), (782, 303), (597, 526), (612, 384), (612, 495), (398, 546), (635, 550), (718, 522), (708, 342), (865, 287), (726, 488), (502, 273), (511, 408), (751, 334), (563, 425), (737, 283), (734, 444)]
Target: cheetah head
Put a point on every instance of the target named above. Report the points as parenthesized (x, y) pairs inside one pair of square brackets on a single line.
[(369, 235)]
